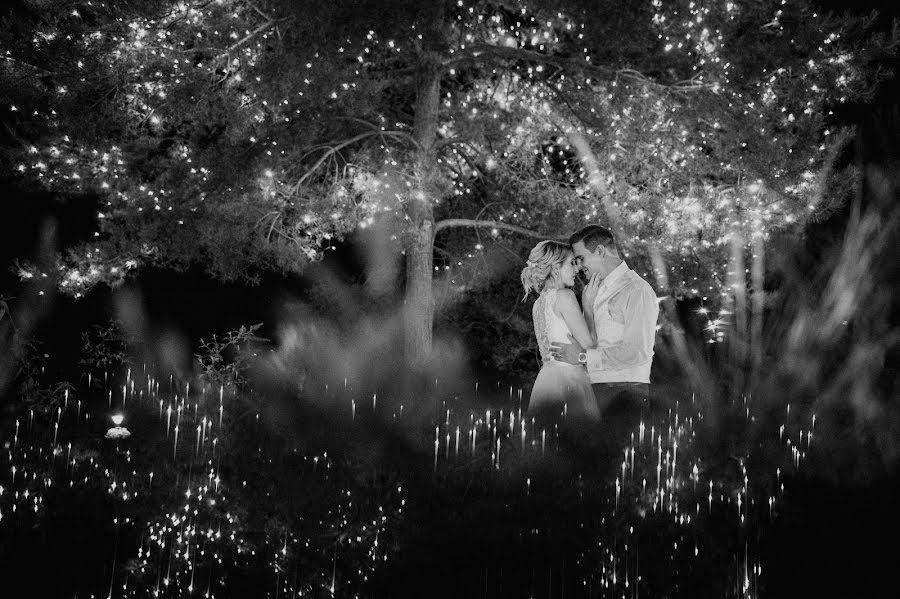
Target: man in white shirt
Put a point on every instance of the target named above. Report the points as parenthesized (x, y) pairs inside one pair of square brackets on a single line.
[(621, 310)]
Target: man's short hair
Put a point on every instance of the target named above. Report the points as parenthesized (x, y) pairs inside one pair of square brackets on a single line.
[(594, 235)]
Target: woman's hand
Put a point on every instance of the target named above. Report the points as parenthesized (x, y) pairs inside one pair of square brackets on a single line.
[(589, 294)]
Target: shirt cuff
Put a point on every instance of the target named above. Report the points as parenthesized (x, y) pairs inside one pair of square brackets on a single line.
[(594, 359)]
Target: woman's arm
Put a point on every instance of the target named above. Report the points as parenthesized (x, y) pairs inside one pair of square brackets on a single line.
[(588, 314), (588, 295), (567, 307)]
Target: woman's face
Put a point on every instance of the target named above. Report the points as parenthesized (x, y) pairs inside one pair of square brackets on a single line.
[(568, 270)]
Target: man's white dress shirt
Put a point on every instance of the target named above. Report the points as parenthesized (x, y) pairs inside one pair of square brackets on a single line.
[(625, 313)]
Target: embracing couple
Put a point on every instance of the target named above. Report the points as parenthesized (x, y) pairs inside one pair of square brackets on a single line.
[(597, 354)]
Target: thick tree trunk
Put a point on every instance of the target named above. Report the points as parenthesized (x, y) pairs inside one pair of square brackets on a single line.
[(419, 303), (419, 300)]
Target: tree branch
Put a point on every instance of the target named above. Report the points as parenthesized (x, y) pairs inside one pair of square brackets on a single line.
[(395, 133), (329, 152), (259, 12), (247, 38), (494, 224), (333, 151), (479, 52)]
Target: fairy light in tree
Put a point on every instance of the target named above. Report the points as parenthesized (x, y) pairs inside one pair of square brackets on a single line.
[(690, 158)]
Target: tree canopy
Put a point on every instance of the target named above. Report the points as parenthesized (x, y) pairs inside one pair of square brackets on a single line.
[(249, 136)]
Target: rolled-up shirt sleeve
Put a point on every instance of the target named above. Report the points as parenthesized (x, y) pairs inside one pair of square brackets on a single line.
[(641, 312)]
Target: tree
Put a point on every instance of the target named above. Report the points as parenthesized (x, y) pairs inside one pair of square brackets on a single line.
[(246, 136)]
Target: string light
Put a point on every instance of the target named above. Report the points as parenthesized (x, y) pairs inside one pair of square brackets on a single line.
[(194, 521), (689, 161)]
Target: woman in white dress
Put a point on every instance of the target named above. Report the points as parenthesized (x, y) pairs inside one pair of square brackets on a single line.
[(559, 388)]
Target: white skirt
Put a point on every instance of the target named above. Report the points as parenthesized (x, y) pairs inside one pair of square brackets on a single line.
[(565, 387)]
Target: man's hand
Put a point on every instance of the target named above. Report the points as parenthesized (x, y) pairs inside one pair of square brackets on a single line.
[(589, 294), (566, 352)]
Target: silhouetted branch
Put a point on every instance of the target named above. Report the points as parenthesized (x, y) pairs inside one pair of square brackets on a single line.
[(482, 52), (493, 224)]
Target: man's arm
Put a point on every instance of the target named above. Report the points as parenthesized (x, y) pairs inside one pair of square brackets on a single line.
[(566, 352), (641, 313)]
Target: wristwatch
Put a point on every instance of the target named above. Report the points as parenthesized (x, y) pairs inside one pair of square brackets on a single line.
[(582, 358)]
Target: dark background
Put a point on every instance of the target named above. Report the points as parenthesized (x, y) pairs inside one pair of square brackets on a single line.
[(836, 541)]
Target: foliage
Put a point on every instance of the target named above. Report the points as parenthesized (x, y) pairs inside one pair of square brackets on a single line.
[(225, 360), (483, 303), (8, 336), (105, 347), (246, 137), (30, 386)]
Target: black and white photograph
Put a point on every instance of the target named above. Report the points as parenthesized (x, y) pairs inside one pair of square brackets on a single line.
[(449, 299)]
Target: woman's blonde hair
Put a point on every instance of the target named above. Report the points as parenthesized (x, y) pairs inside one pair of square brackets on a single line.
[(539, 268)]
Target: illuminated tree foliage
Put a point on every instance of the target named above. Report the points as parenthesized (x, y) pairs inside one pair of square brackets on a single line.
[(247, 136)]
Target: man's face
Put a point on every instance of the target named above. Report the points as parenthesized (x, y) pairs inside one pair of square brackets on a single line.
[(589, 262)]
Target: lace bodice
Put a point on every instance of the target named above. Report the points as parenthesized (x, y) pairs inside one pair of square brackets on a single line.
[(548, 326)]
